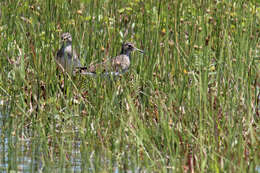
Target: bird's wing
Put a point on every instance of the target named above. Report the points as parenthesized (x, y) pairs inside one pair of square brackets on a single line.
[(116, 63), (59, 53)]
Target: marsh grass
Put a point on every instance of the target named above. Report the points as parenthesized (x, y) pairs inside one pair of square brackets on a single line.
[(187, 105)]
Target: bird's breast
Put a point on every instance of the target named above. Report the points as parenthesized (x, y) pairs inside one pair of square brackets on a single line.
[(68, 50), (124, 62)]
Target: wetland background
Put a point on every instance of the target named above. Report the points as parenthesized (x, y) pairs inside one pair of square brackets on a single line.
[(191, 103)]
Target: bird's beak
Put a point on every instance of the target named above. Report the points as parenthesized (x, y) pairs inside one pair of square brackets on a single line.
[(139, 50)]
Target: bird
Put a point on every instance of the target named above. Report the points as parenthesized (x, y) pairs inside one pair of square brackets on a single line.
[(113, 66), (66, 57)]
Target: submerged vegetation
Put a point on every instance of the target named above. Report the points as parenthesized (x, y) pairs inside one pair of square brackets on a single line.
[(189, 104)]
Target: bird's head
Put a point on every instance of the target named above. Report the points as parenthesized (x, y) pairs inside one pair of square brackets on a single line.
[(66, 37), (128, 47)]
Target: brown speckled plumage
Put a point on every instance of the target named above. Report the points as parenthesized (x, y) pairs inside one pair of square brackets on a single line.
[(66, 57), (116, 65)]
